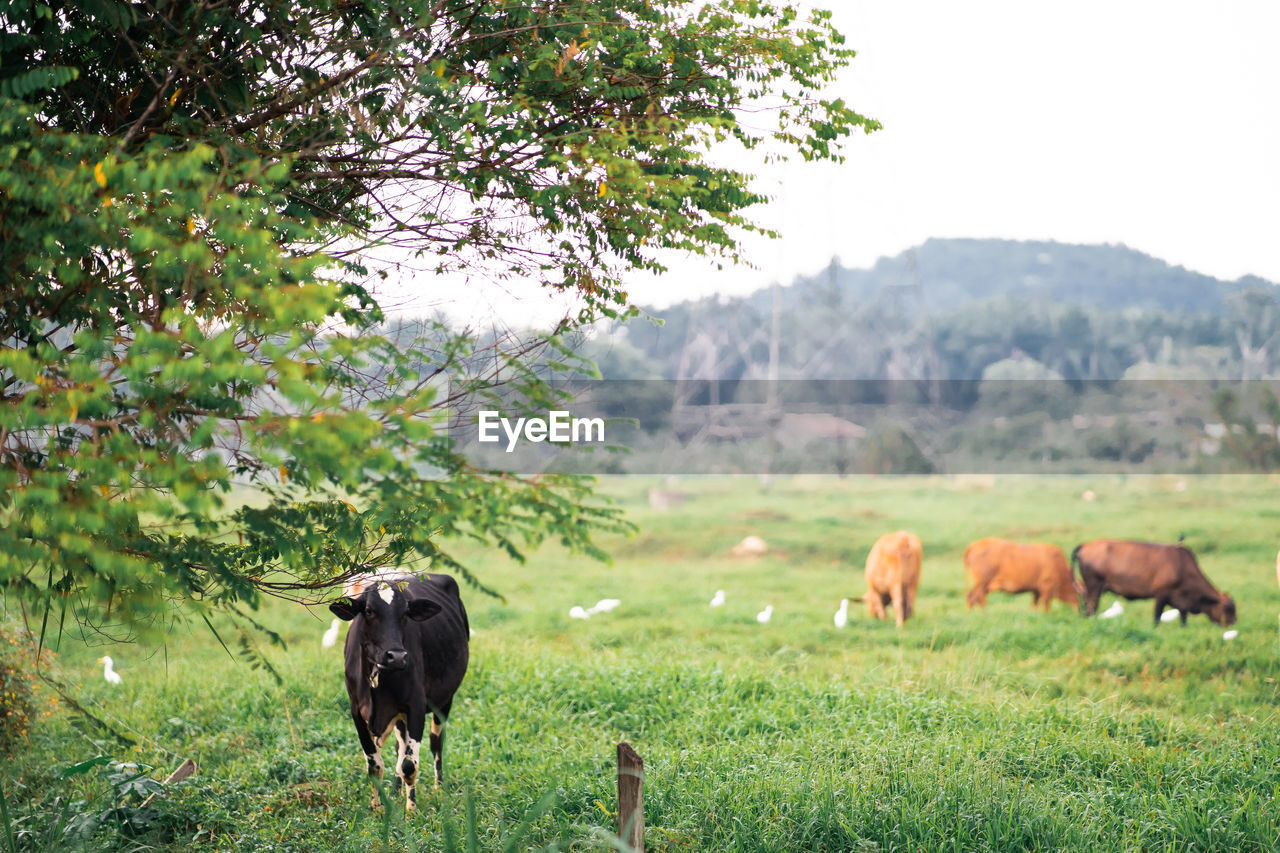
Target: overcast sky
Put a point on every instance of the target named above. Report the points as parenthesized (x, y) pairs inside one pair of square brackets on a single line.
[(1153, 124)]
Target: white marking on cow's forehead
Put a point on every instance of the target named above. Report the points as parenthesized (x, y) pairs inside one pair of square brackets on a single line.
[(386, 593)]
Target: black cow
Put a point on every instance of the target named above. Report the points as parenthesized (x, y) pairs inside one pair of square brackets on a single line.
[(406, 654)]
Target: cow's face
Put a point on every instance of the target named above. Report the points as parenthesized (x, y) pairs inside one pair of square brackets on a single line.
[(386, 608), (1069, 592), (1222, 611)]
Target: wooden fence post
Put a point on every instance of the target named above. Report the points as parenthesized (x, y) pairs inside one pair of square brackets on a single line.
[(185, 770), (631, 797)]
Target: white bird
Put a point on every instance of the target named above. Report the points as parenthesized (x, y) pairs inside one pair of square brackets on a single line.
[(1230, 635), (604, 605), (717, 600), (842, 615), (108, 673), (765, 615), (1114, 610), (330, 637), (1168, 616), (576, 612)]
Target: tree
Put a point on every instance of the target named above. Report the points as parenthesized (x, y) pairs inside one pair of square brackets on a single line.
[(196, 199), (1255, 443), (1257, 327)]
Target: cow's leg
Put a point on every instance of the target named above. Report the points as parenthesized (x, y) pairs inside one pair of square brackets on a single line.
[(1160, 606), (437, 739), (911, 601), (1182, 615), (437, 748), (383, 723), (402, 747), (899, 598), (1035, 598), (412, 760), (977, 597), (1093, 586), (372, 747), (372, 753)]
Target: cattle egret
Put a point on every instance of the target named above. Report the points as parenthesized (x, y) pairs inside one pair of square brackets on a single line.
[(765, 615), (1230, 635), (330, 637), (1089, 495), (604, 605), (576, 612), (717, 600), (842, 615), (108, 673), (1168, 616), (1115, 610)]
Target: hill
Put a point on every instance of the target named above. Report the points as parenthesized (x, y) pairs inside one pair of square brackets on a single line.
[(952, 308), (951, 272)]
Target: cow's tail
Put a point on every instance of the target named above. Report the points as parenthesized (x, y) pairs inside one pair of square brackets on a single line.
[(1077, 581)]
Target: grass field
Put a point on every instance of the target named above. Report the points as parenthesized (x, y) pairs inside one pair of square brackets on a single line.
[(995, 729)]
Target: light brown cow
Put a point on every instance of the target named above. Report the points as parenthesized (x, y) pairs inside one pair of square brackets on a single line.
[(893, 573), (998, 565)]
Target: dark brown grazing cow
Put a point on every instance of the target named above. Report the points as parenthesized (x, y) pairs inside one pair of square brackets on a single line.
[(1167, 573), (406, 654), (1041, 569)]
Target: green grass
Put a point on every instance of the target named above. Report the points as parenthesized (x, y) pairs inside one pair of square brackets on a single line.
[(995, 729)]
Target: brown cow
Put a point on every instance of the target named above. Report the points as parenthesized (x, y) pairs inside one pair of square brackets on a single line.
[(893, 573), (1041, 569), (1167, 573)]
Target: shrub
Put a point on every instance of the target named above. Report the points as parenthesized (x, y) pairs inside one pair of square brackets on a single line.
[(17, 692)]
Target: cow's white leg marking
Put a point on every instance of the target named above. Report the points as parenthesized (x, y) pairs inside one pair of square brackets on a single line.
[(375, 758), (400, 752), (409, 765)]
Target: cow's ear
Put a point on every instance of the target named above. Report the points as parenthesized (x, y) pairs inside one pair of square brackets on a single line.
[(347, 609), (422, 608)]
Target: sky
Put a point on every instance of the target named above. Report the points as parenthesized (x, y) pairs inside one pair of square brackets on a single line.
[(1152, 124)]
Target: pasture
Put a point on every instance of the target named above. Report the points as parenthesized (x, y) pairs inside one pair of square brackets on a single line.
[(996, 729)]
